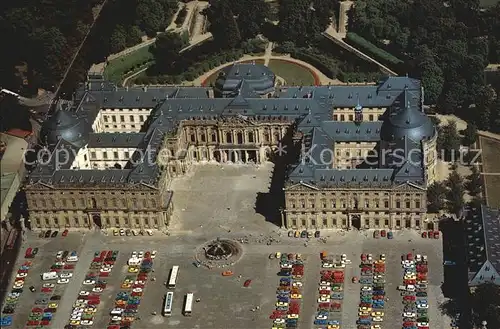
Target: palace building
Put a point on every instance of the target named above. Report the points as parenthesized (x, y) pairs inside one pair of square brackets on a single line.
[(357, 156)]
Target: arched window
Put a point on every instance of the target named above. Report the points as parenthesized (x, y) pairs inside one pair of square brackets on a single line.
[(239, 137), (214, 137), (250, 137), (266, 136), (229, 137)]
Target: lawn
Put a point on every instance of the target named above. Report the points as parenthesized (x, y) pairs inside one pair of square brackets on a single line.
[(211, 79), (490, 149), (116, 68), (293, 74)]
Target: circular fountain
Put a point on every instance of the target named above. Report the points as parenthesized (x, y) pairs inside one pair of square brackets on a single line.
[(219, 253)]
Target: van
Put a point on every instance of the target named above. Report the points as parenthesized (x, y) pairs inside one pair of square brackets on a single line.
[(49, 276)]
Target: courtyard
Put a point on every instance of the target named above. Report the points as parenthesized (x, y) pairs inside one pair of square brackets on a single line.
[(218, 201)]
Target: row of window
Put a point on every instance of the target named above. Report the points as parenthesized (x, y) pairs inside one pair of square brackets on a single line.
[(122, 127), (115, 203), (107, 221), (376, 222), (350, 117), (355, 204), (131, 118), (116, 156)]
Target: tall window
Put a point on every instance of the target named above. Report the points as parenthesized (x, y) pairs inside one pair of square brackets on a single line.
[(229, 137), (250, 137)]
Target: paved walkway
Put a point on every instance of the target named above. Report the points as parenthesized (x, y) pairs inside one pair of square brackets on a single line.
[(268, 54)]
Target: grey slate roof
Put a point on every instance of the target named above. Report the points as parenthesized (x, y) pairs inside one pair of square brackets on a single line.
[(122, 140), (309, 106), (491, 228)]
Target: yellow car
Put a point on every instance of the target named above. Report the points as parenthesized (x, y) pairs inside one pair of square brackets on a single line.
[(91, 310), (293, 316), (376, 326), (377, 314), (133, 270), (410, 277), (126, 286), (380, 261), (53, 305), (74, 323), (116, 232), (364, 313), (296, 296), (334, 326), (281, 304), (365, 309)]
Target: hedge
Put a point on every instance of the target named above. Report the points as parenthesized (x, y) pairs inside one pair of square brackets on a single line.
[(359, 42)]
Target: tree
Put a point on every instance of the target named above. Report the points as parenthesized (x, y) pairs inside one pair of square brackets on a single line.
[(448, 142), (166, 51), (435, 197), (485, 305), (150, 17), (470, 134), (223, 25), (456, 191), (251, 15), (474, 183), (134, 36), (118, 40)]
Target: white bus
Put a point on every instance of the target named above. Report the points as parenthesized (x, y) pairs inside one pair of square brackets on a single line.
[(167, 304), (173, 277), (188, 304)]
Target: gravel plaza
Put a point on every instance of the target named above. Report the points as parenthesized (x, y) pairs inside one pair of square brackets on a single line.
[(218, 201)]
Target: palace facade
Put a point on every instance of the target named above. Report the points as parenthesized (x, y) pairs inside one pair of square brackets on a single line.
[(358, 156)]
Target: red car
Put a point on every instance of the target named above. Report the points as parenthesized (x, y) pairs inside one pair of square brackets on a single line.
[(69, 267), (363, 257), (28, 253), (424, 234), (113, 327), (377, 297), (65, 232), (409, 256), (409, 297), (410, 281), (134, 293), (409, 324), (44, 322), (247, 283), (131, 306), (46, 290), (36, 310), (94, 302), (436, 235), (104, 274), (383, 233), (32, 323)]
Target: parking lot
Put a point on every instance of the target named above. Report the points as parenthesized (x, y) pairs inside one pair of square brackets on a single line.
[(206, 208)]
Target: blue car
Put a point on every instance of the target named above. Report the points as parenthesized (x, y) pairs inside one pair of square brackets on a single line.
[(337, 296), (288, 321), (379, 293), (333, 322), (410, 327), (364, 321), (6, 321), (320, 322), (283, 299)]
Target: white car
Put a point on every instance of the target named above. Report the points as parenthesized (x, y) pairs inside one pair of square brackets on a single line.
[(89, 282), (279, 321), (97, 289), (418, 258), (116, 318), (105, 270), (82, 301), (297, 284), (48, 285), (409, 315), (321, 317), (14, 294), (153, 254), (378, 277), (21, 275), (369, 257), (140, 282), (76, 314), (84, 293), (325, 288), (122, 232), (137, 290), (422, 324), (141, 254), (423, 306), (286, 265), (327, 265), (63, 281), (366, 288), (60, 263), (378, 319), (77, 310), (87, 322), (339, 265), (76, 317), (18, 285), (323, 300), (59, 254), (343, 257), (325, 283), (410, 288), (382, 257), (134, 254), (149, 232), (66, 275)]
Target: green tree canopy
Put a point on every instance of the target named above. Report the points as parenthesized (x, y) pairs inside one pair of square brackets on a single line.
[(166, 51), (436, 194)]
